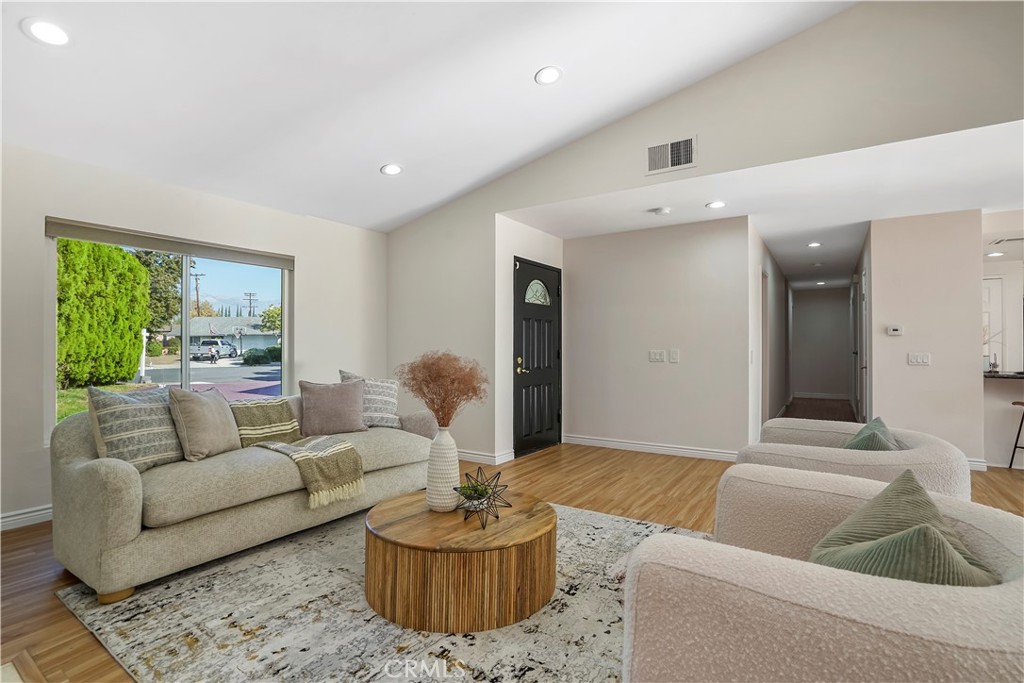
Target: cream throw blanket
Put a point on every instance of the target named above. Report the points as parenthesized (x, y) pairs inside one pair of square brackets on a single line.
[(330, 467)]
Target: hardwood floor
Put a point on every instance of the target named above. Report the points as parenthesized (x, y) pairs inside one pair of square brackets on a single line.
[(661, 488), (820, 409)]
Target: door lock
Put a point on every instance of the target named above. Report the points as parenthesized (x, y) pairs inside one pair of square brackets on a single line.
[(521, 371)]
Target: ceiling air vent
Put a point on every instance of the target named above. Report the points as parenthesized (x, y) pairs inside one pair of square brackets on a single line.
[(672, 156)]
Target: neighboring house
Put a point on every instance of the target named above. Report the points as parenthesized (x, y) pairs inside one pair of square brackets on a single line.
[(245, 332)]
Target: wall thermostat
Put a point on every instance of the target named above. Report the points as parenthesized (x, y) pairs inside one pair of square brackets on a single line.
[(894, 330)]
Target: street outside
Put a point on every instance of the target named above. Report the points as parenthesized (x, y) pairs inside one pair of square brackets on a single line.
[(234, 380)]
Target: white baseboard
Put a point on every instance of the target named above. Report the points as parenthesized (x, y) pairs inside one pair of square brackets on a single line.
[(643, 447), (979, 465), (19, 518), (834, 397), (487, 458)]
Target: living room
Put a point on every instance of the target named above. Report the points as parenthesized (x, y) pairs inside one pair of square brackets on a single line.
[(901, 81)]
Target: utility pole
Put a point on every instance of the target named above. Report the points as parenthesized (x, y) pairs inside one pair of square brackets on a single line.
[(197, 276), (250, 297)]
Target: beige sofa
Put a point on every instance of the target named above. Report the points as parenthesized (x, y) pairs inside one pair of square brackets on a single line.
[(115, 528), (817, 445), (750, 608)]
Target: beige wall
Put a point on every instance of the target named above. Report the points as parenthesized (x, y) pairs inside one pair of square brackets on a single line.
[(513, 239), (679, 287), (877, 73), (926, 276), (339, 284), (778, 324), (821, 343)]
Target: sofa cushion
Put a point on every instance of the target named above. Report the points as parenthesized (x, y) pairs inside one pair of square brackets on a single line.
[(874, 436), (204, 423), (332, 408), (135, 426), (382, 447), (183, 490), (380, 400), (900, 534), (267, 419)]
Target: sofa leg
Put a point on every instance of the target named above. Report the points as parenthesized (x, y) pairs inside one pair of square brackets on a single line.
[(108, 598)]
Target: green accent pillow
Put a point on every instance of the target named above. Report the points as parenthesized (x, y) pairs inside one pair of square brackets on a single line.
[(874, 436), (269, 419), (900, 534)]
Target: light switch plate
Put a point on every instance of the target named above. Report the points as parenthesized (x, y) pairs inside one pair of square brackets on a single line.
[(656, 356), (673, 356), (919, 358)]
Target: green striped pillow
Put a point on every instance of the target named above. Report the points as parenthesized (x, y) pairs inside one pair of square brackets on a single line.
[(874, 436), (267, 419), (900, 534), (134, 426)]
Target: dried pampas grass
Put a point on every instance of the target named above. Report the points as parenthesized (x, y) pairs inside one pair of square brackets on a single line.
[(444, 382)]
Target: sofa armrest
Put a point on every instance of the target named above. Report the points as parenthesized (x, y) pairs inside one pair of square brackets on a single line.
[(421, 422), (939, 467), (696, 610), (97, 502)]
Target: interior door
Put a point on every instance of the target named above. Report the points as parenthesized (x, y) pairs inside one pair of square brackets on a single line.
[(537, 356)]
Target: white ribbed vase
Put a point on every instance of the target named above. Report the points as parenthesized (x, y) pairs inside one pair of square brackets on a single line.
[(443, 473)]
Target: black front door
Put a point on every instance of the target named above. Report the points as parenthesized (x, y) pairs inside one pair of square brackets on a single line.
[(537, 361)]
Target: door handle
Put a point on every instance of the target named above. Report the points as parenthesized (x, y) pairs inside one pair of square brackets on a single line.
[(520, 371)]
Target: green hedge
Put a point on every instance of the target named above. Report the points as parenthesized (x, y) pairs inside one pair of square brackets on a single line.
[(174, 346), (273, 353), (102, 306), (154, 348), (255, 357)]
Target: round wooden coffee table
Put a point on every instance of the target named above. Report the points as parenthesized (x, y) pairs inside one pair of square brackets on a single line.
[(432, 571)]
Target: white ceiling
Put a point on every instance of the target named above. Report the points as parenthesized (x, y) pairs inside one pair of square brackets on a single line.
[(827, 199), (297, 105)]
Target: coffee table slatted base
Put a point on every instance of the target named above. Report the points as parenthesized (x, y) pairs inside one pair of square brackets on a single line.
[(459, 592)]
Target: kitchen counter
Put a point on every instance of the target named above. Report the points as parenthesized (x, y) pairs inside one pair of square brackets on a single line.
[(1002, 418), (1004, 375)]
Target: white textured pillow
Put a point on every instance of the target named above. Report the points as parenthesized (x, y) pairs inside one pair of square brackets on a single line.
[(380, 400)]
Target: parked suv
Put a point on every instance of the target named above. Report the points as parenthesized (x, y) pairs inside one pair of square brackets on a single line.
[(201, 350)]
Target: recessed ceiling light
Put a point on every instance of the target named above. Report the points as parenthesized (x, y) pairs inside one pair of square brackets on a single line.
[(819, 283), (390, 169), (44, 31), (814, 244), (996, 253), (547, 75), (661, 210), (715, 205)]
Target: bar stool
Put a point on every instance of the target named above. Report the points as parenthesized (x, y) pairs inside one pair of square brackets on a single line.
[(1016, 441)]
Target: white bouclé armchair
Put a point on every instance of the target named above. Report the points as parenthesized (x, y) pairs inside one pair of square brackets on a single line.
[(749, 607), (817, 445)]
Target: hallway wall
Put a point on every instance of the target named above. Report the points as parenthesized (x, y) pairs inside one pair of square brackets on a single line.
[(820, 366)]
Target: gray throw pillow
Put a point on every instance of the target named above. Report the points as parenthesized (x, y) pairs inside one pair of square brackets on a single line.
[(874, 436), (135, 426), (332, 408), (265, 419), (900, 534), (204, 423), (380, 400)]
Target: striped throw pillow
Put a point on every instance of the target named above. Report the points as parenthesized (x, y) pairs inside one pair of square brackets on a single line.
[(267, 419), (901, 534), (135, 426), (380, 400)]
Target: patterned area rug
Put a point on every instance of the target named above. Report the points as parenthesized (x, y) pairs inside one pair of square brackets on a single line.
[(294, 609)]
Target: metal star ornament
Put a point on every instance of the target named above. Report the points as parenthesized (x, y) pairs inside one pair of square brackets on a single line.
[(487, 506)]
